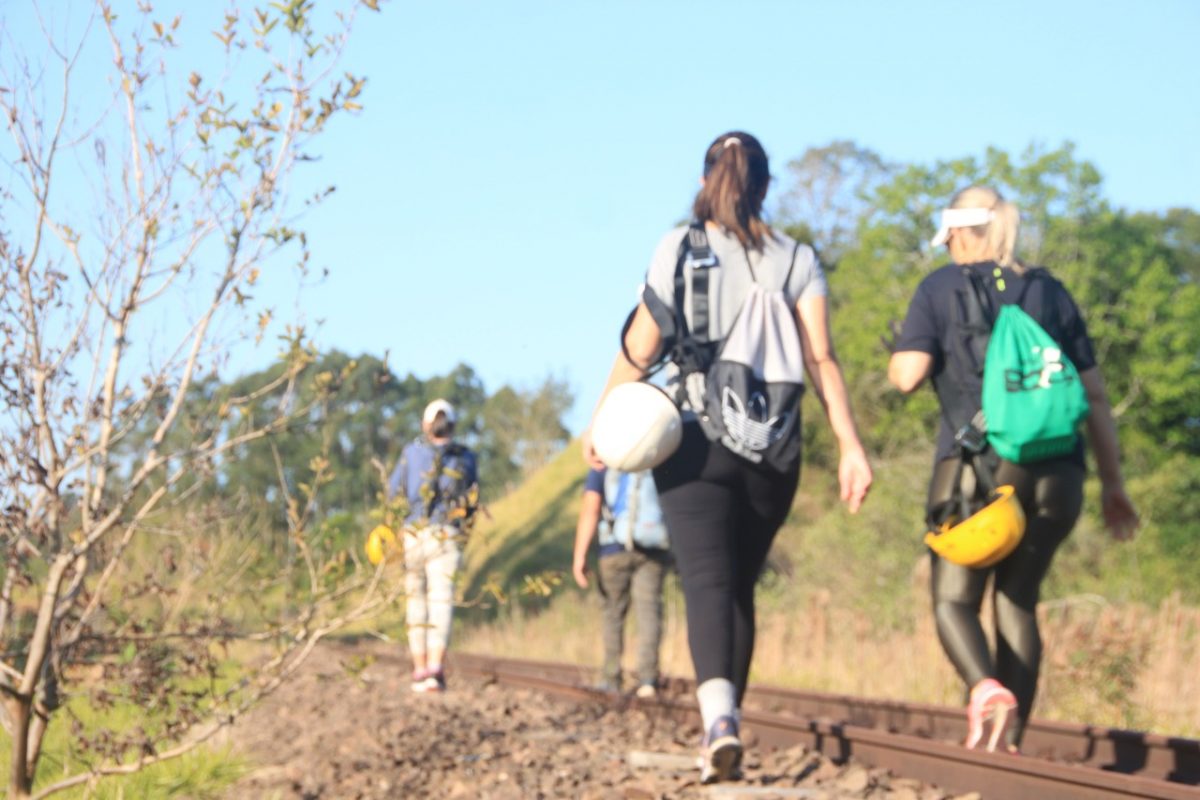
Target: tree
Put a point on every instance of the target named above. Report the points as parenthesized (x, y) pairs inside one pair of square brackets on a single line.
[(513, 431), (375, 414), (524, 428), (132, 235), (1141, 305), (828, 195)]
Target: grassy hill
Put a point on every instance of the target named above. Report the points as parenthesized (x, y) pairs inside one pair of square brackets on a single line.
[(531, 530)]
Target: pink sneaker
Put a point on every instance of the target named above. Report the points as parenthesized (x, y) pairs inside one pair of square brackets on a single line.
[(989, 701), (435, 681)]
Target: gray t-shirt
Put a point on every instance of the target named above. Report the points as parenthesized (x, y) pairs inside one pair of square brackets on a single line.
[(730, 281)]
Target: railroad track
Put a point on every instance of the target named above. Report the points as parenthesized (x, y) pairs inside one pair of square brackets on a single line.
[(1067, 762)]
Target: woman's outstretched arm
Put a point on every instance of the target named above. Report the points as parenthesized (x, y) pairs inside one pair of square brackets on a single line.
[(825, 375), (1119, 514)]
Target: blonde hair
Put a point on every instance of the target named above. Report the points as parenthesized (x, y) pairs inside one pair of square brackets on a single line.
[(1001, 233)]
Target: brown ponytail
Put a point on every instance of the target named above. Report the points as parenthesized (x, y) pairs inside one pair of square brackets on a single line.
[(736, 176)]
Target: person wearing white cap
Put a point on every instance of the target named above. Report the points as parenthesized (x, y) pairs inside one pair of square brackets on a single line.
[(944, 338), (438, 478)]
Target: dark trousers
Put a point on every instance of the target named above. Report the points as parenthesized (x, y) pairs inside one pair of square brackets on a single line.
[(635, 575), (1051, 494), (722, 513)]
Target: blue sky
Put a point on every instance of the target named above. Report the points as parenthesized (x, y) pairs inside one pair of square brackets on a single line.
[(499, 198)]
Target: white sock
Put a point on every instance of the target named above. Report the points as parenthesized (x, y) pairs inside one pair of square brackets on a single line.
[(717, 699)]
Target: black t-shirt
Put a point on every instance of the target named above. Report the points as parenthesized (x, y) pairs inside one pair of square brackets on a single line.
[(932, 322)]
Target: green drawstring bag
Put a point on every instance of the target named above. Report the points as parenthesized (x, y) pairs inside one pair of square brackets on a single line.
[(1033, 400)]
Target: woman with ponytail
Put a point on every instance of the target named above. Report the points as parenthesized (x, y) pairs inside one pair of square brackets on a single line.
[(722, 510), (980, 231)]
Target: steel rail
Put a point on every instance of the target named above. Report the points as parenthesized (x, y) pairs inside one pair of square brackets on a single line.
[(1151, 755), (1072, 762)]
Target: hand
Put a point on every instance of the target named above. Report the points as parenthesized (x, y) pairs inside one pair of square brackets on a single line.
[(580, 569), (854, 478), (1120, 516), (589, 452), (890, 338)]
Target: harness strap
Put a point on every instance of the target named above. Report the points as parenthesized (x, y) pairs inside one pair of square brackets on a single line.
[(980, 319), (694, 252), (960, 501), (631, 505), (976, 320), (692, 350)]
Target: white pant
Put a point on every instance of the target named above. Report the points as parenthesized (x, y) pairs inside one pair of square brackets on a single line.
[(431, 559)]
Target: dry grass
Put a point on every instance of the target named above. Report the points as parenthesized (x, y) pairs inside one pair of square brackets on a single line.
[(1123, 666)]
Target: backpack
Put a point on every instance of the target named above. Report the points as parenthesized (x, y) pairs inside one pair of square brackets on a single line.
[(747, 387), (630, 513), (1032, 397), (446, 485)]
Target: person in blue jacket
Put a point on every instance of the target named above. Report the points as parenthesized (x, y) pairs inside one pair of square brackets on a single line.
[(438, 477)]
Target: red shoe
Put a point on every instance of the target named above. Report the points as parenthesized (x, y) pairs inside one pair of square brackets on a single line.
[(989, 701)]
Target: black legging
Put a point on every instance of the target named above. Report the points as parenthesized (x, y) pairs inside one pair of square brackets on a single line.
[(1051, 493), (722, 512)]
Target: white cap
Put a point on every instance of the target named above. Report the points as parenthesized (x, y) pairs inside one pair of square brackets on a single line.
[(960, 218), (431, 412)]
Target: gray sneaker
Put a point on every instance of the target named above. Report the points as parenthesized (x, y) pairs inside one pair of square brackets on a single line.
[(721, 752)]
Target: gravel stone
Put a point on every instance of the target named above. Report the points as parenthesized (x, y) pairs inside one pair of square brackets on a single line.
[(343, 731)]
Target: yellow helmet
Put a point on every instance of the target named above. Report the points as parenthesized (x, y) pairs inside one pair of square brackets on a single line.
[(985, 537), (379, 541)]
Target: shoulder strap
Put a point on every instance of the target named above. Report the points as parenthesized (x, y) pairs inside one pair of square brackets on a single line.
[(1050, 311), (606, 513), (632, 503), (696, 251), (980, 309), (975, 318), (1030, 276), (691, 351), (791, 267)]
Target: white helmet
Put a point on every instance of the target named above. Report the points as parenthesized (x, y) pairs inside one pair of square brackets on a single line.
[(637, 427)]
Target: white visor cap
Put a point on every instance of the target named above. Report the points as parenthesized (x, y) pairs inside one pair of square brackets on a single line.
[(960, 218), (431, 412)]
